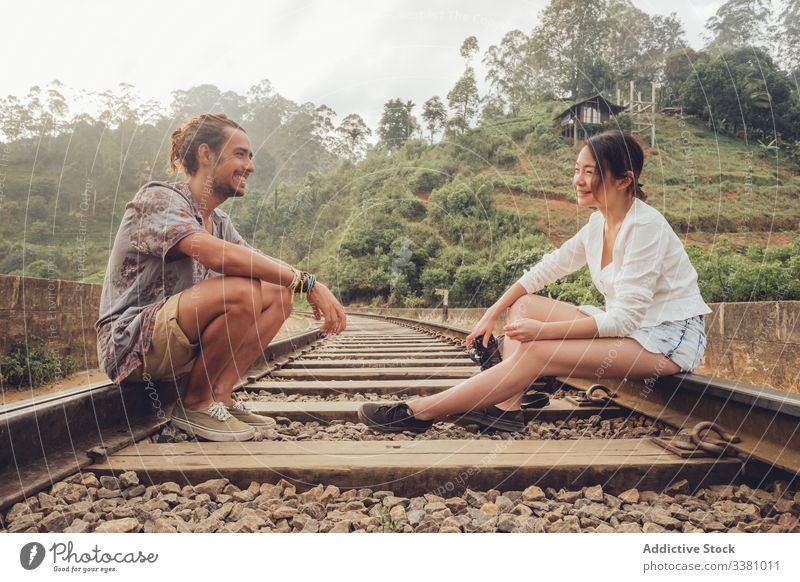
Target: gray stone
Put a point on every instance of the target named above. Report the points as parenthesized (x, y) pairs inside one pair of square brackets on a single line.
[(522, 510), (343, 526), (128, 479), (663, 518), (474, 498), (209, 525), (569, 496), (284, 512), (435, 506), (106, 493), (212, 487), (109, 482), (161, 525), (55, 522), (507, 523), (397, 513), (390, 501), (415, 516), (629, 496), (455, 504), (594, 493), (134, 491), (681, 486), (126, 525), (533, 493), (78, 526)]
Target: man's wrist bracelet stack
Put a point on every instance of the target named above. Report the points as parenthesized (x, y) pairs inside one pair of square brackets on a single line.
[(302, 283)]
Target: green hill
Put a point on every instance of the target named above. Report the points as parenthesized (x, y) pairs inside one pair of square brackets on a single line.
[(470, 213)]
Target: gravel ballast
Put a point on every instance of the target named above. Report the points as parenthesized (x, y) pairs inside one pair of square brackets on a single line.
[(84, 503)]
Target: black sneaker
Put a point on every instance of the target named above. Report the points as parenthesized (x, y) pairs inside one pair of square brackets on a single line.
[(391, 418), (534, 399), (547, 384), (485, 357), (496, 418)]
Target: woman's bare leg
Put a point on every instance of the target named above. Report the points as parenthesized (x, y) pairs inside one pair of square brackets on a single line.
[(543, 309), (583, 358)]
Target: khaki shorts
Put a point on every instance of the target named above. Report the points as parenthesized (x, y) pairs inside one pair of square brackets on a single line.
[(171, 355)]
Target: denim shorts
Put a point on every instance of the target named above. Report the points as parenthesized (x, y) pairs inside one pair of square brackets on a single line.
[(683, 341)]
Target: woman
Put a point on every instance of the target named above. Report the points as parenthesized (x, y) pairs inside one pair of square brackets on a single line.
[(653, 324)]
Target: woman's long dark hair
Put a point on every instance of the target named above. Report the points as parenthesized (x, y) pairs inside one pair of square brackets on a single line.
[(618, 152)]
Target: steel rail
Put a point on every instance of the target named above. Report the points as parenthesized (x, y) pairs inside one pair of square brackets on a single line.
[(45, 439), (764, 422)]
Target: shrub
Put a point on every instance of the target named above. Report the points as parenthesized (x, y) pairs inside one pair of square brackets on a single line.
[(33, 364), (505, 157)]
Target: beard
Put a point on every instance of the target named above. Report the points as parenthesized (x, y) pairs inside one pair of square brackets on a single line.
[(225, 189)]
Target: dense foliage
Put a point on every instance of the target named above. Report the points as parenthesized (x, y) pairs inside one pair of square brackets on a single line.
[(33, 364)]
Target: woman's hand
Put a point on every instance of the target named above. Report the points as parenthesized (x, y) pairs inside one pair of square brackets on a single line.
[(524, 330), (484, 328), (324, 304)]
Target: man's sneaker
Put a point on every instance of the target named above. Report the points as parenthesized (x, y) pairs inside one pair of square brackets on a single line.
[(496, 418), (214, 424), (485, 357), (391, 418), (241, 413)]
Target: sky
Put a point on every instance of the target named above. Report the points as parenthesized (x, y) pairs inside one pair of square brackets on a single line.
[(352, 55)]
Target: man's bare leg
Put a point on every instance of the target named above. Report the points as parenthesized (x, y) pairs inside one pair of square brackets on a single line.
[(214, 312), (276, 309)]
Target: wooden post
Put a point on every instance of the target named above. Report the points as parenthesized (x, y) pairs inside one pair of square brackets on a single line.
[(444, 294), (630, 102), (653, 126)]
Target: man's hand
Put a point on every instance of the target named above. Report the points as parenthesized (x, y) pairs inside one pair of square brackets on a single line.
[(325, 305), (524, 330)]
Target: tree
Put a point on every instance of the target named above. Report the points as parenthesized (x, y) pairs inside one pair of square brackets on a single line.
[(789, 35), (738, 23), (636, 44), (352, 134), (435, 115), (56, 104), (679, 65), (463, 98), (397, 123), (585, 46), (568, 40), (322, 125), (511, 71), (741, 91), (469, 47)]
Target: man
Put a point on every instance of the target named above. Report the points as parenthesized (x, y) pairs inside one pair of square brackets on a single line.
[(185, 294)]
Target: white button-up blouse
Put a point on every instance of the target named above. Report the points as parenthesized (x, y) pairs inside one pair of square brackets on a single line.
[(650, 279)]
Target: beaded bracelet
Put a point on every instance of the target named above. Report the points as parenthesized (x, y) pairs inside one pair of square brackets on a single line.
[(295, 280), (302, 283)]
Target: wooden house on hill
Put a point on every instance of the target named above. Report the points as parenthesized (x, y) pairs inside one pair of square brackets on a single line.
[(584, 118)]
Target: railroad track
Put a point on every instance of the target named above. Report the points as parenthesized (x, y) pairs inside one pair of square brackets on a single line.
[(681, 434)]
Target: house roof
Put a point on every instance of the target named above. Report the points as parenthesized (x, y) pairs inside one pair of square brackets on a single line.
[(596, 99)]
